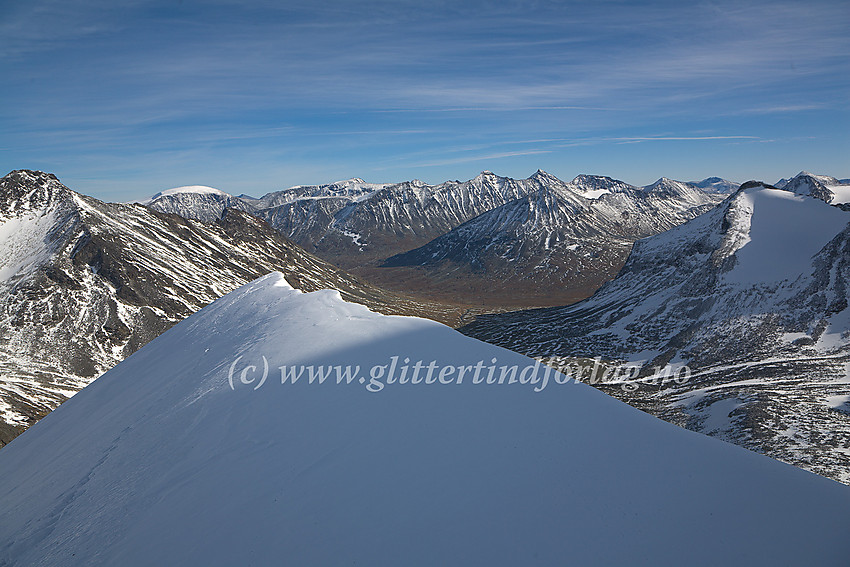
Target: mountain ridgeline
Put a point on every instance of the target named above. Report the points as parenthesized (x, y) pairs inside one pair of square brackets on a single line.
[(492, 240)]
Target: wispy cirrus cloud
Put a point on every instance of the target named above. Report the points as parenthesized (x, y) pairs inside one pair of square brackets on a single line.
[(678, 138), (339, 85), (477, 158)]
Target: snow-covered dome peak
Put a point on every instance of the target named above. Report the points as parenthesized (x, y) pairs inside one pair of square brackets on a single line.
[(202, 189)]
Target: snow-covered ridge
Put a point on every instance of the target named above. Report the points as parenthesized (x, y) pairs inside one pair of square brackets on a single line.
[(785, 234), (161, 462), (83, 284)]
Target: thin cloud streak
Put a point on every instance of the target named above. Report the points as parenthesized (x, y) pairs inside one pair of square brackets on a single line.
[(471, 159), (344, 85), (681, 138)]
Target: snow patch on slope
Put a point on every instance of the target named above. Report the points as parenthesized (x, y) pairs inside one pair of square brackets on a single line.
[(785, 233), (840, 194), (24, 244), (595, 193)]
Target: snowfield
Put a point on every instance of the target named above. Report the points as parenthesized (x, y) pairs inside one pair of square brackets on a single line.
[(161, 462), (784, 235)]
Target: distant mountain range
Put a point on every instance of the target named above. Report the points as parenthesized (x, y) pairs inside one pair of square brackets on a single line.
[(717, 184), (480, 241), (752, 297)]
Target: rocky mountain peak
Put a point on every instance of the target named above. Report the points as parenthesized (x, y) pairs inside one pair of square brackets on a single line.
[(821, 187), (26, 189)]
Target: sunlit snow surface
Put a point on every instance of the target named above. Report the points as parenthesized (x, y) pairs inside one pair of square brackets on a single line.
[(160, 462), (841, 194), (23, 242), (785, 233)]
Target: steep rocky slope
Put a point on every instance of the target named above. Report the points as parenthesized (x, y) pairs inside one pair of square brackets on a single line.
[(558, 244)]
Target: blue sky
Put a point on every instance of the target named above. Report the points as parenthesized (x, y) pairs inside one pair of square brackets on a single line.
[(124, 99)]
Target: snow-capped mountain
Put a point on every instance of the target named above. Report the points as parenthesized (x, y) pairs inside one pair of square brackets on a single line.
[(206, 204), (717, 184), (188, 190), (823, 187), (594, 186), (391, 219), (354, 189), (196, 202), (181, 455), (644, 211), (561, 242), (83, 284), (752, 297), (552, 244), (352, 221)]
